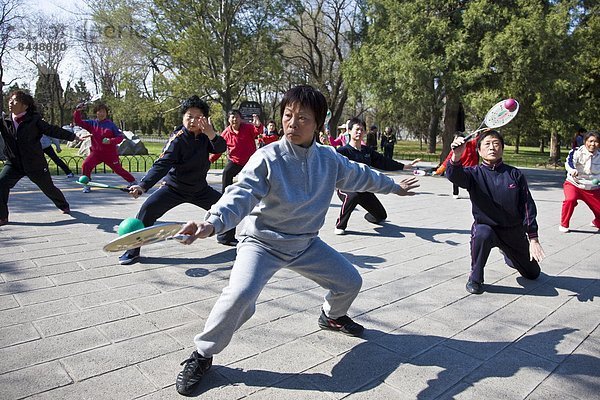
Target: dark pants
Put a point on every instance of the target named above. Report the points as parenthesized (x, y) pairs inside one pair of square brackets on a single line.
[(10, 175), (229, 172), (512, 242), (388, 151), (165, 199), (57, 160), (455, 189), (366, 200)]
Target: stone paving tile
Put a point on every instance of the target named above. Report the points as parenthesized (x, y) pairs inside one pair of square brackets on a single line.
[(58, 292), (37, 311), (47, 349), (52, 272), (15, 334), (115, 356), (127, 382), (83, 319), (31, 380), (425, 336)]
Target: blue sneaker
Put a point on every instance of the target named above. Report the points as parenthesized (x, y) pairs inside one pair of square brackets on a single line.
[(130, 257)]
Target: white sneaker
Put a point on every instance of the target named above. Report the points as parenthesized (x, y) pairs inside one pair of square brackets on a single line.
[(87, 189), (563, 229), (339, 231), (455, 196)]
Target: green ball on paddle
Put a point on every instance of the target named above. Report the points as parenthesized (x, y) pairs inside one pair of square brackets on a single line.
[(129, 225), (595, 181), (84, 180)]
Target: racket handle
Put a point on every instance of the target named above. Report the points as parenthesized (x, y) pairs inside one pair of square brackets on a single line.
[(467, 138), (180, 238)]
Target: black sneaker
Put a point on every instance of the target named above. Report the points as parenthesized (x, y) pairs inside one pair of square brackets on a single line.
[(130, 257), (474, 287), (342, 324), (195, 368)]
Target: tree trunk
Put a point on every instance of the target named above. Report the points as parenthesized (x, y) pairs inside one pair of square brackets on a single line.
[(432, 131), (542, 145), (451, 109), (554, 148), (517, 143)]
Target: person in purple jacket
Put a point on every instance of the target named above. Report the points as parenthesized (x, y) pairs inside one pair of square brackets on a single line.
[(503, 209)]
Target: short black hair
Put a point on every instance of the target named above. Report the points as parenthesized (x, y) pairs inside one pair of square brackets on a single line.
[(24, 98), (309, 97), (195, 102), (491, 133), (356, 121), (590, 134), (234, 111), (373, 127), (100, 106)]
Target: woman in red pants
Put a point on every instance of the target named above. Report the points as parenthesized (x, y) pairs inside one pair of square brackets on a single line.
[(105, 138), (583, 172)]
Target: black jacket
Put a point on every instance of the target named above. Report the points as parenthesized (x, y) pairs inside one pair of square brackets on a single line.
[(23, 149), (184, 161), (366, 155)]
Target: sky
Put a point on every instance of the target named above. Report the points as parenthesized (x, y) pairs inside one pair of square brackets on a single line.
[(19, 68)]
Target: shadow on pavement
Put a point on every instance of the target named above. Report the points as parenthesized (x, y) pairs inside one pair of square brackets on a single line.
[(462, 364), (549, 287)]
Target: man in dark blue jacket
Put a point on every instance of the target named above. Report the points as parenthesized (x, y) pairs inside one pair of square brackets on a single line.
[(184, 161), (359, 153), (504, 212)]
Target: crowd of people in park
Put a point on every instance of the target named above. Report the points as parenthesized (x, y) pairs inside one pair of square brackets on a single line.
[(274, 211)]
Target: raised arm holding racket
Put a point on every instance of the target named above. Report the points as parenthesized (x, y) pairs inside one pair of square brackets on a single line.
[(501, 114), (502, 207)]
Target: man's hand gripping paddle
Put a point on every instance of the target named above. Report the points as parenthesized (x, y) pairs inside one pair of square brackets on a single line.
[(145, 236)]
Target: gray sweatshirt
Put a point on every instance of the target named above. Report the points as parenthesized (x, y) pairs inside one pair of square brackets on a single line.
[(283, 193)]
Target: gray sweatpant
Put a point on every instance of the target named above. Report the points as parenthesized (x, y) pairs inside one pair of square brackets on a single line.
[(254, 265)]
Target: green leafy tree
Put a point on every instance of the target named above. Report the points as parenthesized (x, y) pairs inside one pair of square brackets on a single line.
[(215, 49)]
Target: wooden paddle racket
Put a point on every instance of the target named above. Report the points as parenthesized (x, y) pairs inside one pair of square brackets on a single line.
[(146, 236)]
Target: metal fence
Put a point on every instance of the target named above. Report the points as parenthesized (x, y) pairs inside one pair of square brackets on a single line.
[(138, 163), (142, 163)]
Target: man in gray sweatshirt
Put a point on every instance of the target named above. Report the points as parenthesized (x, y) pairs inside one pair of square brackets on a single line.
[(280, 202)]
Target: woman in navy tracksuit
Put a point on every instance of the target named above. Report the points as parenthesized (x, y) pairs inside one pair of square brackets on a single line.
[(504, 212), (357, 152), (185, 163)]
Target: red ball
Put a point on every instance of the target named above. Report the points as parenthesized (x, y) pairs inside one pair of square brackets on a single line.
[(510, 104)]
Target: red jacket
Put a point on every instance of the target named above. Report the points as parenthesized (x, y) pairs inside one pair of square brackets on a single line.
[(100, 130), (241, 145), (469, 158)]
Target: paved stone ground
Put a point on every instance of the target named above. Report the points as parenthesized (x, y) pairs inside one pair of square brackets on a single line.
[(74, 324)]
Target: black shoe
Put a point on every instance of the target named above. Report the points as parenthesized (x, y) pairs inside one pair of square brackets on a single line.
[(342, 324), (474, 287), (195, 368), (369, 217), (130, 257)]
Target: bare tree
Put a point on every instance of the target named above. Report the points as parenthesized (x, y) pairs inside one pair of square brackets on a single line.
[(9, 14), (319, 38), (47, 43)]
